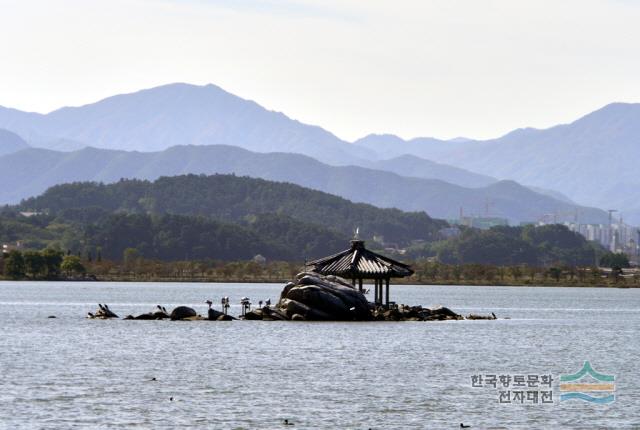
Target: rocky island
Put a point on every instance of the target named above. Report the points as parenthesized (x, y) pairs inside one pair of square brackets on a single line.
[(310, 297)]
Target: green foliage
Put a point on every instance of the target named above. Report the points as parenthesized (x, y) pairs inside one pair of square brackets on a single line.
[(71, 265), (224, 217), (614, 259), (14, 266), (34, 263), (52, 262), (229, 198), (130, 256), (512, 246)]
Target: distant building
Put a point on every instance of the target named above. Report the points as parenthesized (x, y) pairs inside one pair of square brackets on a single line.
[(618, 237), (30, 214), (395, 251), (8, 247), (378, 238), (259, 259)]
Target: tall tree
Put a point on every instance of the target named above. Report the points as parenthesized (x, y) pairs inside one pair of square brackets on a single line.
[(14, 265)]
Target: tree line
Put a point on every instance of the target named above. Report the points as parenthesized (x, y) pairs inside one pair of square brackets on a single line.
[(530, 245), (47, 264), (52, 264)]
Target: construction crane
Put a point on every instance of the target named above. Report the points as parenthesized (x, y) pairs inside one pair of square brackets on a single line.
[(611, 211), (610, 238)]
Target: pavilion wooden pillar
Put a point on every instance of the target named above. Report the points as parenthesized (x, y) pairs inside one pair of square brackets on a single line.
[(375, 291), (386, 299), (375, 296), (360, 284)]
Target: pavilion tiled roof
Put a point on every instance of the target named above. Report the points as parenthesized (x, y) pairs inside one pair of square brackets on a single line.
[(359, 262)]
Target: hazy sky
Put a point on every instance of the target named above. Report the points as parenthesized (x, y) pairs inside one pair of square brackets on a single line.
[(414, 68)]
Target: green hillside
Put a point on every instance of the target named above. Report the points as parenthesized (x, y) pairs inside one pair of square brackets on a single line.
[(235, 199)]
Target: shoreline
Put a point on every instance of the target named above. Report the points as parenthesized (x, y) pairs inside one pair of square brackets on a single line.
[(284, 281)]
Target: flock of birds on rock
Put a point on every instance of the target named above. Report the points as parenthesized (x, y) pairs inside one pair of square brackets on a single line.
[(178, 313)]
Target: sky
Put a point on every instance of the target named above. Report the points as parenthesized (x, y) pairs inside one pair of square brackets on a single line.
[(475, 68)]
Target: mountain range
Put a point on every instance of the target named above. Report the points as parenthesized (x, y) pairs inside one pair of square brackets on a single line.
[(11, 142), (588, 161), (177, 114), (33, 170)]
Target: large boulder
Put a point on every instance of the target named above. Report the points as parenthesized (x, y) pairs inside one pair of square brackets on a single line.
[(182, 313), (315, 297)]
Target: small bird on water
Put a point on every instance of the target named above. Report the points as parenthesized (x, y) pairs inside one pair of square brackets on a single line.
[(462, 426), (287, 423)]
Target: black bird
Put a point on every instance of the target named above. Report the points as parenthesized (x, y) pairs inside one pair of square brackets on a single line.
[(165, 310), (462, 426), (106, 306), (154, 379), (100, 306), (171, 399), (287, 423), (494, 316), (90, 315), (209, 302), (159, 307)]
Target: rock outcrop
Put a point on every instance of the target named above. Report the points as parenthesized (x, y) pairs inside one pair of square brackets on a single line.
[(214, 315), (482, 317), (160, 313), (102, 313), (415, 313), (311, 297), (314, 297), (183, 313)]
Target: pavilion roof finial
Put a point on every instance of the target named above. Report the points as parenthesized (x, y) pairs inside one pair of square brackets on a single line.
[(356, 234)]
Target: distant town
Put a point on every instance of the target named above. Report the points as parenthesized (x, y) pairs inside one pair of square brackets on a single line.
[(616, 236)]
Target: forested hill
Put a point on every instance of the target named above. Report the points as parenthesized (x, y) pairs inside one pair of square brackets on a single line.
[(225, 217), (237, 200)]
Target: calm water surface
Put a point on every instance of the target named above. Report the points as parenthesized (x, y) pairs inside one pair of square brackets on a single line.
[(71, 372)]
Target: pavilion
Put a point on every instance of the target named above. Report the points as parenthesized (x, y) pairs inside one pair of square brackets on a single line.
[(358, 263)]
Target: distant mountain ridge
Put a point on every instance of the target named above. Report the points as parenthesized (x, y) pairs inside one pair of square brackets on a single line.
[(32, 171), (591, 160), (182, 114), (177, 114), (10, 142)]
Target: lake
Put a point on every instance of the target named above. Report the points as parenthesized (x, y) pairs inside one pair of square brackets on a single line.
[(71, 372)]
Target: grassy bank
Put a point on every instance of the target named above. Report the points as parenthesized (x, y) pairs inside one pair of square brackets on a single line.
[(426, 273)]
